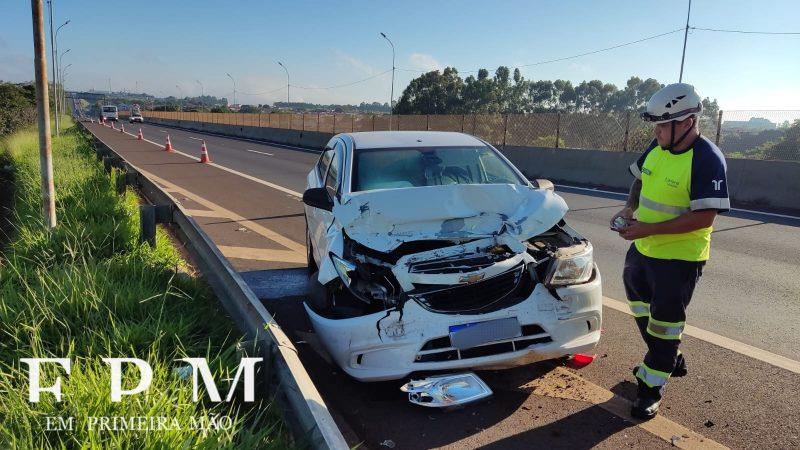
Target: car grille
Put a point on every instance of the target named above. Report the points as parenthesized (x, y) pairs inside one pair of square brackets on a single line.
[(440, 349), (458, 264), (479, 297)]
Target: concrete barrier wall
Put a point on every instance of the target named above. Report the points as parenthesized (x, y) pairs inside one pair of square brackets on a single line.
[(751, 183)]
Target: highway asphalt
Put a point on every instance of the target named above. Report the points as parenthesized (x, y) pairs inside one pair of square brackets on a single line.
[(748, 293)]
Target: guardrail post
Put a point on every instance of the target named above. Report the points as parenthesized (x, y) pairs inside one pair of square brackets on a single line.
[(353, 123), (427, 122), (147, 224), (290, 121), (719, 127), (334, 123), (558, 128), (463, 118), (627, 127), (317, 122), (373, 122), (259, 119)]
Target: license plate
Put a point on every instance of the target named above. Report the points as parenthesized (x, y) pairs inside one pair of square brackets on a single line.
[(473, 334)]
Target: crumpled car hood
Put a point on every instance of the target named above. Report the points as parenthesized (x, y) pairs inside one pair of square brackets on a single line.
[(384, 219)]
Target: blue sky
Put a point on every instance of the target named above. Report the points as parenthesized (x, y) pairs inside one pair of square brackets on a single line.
[(172, 43)]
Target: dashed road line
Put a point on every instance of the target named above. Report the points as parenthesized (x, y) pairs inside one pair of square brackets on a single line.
[(262, 153)]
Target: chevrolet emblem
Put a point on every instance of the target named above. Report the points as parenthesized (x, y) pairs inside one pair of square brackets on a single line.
[(469, 279)]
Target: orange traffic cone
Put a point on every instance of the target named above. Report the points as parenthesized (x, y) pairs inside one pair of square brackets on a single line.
[(168, 145), (122, 128), (140, 137), (204, 158), (113, 126)]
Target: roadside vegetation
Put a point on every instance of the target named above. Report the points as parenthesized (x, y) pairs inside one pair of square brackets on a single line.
[(89, 290)]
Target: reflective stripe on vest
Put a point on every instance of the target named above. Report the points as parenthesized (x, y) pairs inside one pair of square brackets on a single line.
[(665, 330), (662, 207), (651, 377), (639, 309)]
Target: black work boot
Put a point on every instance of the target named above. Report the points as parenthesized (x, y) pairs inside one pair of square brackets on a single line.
[(680, 367), (645, 407)]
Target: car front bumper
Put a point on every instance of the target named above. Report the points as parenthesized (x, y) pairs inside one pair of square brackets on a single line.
[(561, 327)]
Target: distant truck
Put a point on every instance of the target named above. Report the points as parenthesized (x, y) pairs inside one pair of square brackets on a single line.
[(109, 112)]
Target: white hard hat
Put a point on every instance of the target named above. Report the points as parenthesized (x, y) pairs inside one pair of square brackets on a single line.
[(673, 102)]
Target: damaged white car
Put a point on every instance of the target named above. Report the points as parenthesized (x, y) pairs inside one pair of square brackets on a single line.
[(430, 251)]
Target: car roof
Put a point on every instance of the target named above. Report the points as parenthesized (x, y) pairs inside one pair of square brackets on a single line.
[(410, 139)]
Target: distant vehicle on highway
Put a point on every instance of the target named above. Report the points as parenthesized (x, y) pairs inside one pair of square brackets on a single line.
[(136, 115), (109, 112), (430, 251)]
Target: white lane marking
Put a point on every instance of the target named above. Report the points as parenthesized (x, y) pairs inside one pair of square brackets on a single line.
[(243, 175), (192, 137), (707, 336), (722, 341), (261, 153), (622, 195)]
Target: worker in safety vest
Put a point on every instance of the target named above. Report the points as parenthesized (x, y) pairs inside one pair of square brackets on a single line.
[(680, 187)]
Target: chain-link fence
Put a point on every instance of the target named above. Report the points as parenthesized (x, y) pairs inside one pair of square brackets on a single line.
[(740, 134)]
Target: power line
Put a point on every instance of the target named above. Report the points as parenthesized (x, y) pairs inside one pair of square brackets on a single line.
[(261, 93), (744, 31), (344, 85), (538, 63)]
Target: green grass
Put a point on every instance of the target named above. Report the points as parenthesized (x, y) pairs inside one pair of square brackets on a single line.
[(89, 290)]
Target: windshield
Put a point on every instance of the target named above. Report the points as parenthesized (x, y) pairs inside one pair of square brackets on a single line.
[(109, 109), (432, 166)]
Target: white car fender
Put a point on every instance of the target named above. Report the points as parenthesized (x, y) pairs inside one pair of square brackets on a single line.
[(335, 242)]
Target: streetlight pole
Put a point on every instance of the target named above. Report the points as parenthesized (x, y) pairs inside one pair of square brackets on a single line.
[(287, 82), (234, 87), (202, 93), (56, 89), (60, 90), (391, 98), (109, 91), (180, 102), (63, 72), (685, 37)]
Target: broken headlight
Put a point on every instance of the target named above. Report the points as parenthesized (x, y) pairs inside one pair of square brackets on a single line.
[(343, 268), (571, 268)]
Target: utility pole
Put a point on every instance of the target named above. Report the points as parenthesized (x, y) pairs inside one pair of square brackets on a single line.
[(685, 37), (391, 97), (43, 110), (53, 56)]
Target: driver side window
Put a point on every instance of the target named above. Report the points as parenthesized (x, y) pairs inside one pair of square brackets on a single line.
[(332, 179), (324, 161)]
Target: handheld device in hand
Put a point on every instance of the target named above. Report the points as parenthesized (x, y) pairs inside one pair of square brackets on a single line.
[(620, 223)]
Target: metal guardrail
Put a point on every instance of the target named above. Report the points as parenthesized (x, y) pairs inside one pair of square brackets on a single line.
[(305, 411)]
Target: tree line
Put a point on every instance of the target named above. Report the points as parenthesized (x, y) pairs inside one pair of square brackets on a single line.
[(446, 92)]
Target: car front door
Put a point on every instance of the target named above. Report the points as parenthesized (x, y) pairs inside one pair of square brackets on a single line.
[(320, 220)]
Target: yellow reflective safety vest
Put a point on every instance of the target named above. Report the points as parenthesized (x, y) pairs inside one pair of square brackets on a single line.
[(674, 183)]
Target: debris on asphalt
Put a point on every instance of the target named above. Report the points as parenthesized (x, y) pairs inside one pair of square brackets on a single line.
[(675, 440), (709, 424), (445, 391), (388, 443)]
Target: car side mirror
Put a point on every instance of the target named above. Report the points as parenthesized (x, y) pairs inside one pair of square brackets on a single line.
[(541, 183), (318, 198)]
